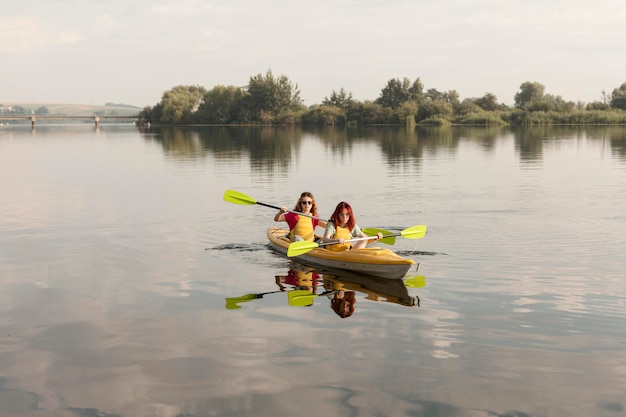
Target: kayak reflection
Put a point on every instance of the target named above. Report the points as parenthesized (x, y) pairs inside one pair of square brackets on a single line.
[(304, 284), (342, 288), (298, 281)]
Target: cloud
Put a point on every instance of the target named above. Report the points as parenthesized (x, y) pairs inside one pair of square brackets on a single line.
[(25, 35)]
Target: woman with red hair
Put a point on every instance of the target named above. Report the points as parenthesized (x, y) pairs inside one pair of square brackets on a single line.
[(342, 226)]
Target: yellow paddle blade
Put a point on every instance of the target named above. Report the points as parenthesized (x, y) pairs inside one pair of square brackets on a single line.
[(232, 303), (300, 298), (372, 231), (415, 232), (300, 248), (415, 281), (236, 197)]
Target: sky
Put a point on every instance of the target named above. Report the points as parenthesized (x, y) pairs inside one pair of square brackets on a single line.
[(131, 52)]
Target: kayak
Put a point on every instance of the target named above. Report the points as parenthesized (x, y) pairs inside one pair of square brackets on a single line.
[(373, 261)]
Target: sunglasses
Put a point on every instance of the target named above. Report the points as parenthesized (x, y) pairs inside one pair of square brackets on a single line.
[(308, 202)]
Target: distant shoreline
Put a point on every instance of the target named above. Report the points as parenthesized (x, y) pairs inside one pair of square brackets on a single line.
[(69, 109)]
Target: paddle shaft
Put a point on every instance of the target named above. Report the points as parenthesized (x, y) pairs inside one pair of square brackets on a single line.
[(356, 239)]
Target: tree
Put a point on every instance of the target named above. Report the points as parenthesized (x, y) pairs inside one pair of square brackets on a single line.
[(269, 96), (341, 99), (406, 112), (558, 104), (433, 94), (434, 108), (222, 105), (151, 114), (326, 115), (397, 92), (368, 113), (529, 91), (487, 102), (618, 97), (180, 103), (416, 91)]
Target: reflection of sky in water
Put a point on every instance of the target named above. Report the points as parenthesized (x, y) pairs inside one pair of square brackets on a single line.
[(118, 253)]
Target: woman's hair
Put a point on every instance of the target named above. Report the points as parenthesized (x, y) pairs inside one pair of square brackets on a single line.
[(298, 206), (339, 209), (344, 307)]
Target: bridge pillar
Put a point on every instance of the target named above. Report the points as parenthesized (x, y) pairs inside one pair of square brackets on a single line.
[(96, 120), (32, 122)]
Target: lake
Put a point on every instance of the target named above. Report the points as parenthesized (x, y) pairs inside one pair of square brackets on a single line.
[(130, 287)]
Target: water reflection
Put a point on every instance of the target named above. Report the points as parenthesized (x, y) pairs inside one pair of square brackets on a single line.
[(305, 285), (269, 146)]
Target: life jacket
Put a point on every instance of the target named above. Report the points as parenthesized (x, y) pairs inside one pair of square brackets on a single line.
[(341, 232), (303, 228)]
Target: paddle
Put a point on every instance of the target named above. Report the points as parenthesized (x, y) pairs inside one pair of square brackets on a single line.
[(302, 298), (236, 197), (371, 231), (415, 281), (302, 247), (232, 302)]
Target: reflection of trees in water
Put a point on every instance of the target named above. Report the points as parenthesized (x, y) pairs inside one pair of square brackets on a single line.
[(530, 140), (272, 146), (266, 146), (615, 136)]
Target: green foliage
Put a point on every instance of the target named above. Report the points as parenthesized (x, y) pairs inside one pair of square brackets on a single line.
[(222, 105), (269, 96), (290, 117), (435, 109), (326, 115), (398, 92), (482, 118), (488, 102), (618, 97), (576, 117), (468, 106), (275, 100), (180, 103), (151, 114), (550, 103), (341, 99), (373, 114), (597, 105), (435, 121), (529, 91), (406, 112)]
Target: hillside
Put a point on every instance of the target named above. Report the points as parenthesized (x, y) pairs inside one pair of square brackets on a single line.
[(60, 109)]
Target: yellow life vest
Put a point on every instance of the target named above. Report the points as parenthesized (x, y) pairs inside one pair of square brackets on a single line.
[(305, 279), (303, 228), (341, 232)]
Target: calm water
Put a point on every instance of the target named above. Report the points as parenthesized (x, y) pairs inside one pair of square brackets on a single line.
[(127, 283)]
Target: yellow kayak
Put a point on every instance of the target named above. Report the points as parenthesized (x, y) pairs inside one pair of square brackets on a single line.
[(372, 261)]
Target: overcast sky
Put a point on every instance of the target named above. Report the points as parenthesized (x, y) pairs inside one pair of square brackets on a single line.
[(126, 51)]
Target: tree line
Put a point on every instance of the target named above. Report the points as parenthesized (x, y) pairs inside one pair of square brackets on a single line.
[(22, 111), (270, 99)]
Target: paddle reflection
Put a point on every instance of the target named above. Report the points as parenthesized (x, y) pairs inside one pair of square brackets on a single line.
[(305, 285)]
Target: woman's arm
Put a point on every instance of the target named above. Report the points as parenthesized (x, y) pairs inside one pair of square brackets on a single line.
[(280, 216), (329, 232)]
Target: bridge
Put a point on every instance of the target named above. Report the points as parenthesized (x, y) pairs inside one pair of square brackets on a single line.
[(96, 119)]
